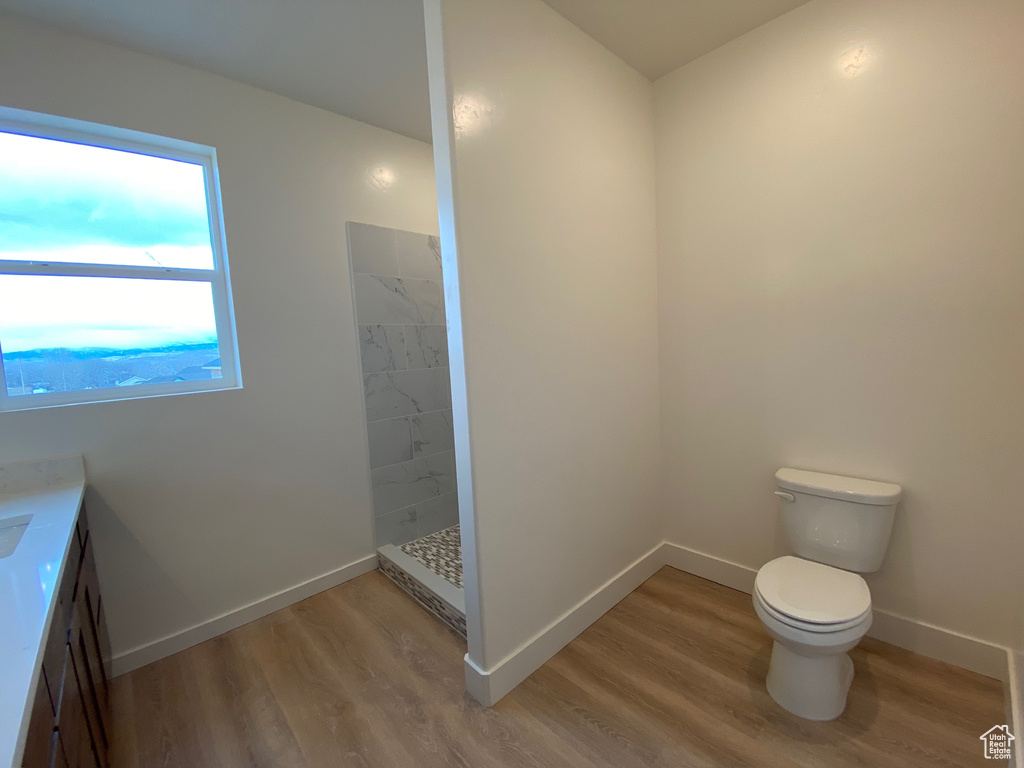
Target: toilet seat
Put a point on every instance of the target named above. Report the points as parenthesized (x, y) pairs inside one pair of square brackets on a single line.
[(806, 626), (812, 596)]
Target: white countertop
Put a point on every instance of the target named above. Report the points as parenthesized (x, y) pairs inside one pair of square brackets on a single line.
[(51, 491)]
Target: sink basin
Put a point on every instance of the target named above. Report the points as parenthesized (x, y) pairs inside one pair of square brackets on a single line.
[(11, 531)]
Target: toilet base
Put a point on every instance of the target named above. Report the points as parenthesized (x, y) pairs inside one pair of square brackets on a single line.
[(814, 688)]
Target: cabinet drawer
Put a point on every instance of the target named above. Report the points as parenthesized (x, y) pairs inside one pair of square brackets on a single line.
[(68, 582), (57, 640), (82, 526), (89, 600), (87, 579), (53, 663)]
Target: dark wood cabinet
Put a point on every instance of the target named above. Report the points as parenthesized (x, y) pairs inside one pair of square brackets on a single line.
[(70, 722), (38, 744)]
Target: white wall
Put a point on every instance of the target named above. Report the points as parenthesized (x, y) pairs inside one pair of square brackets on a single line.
[(205, 502), (841, 282), (551, 210)]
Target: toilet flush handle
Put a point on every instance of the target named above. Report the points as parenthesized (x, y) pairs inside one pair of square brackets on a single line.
[(787, 496)]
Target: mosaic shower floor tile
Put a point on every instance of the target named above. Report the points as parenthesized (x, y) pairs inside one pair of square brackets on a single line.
[(441, 552)]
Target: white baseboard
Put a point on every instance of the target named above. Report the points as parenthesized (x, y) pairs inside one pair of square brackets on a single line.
[(709, 567), (942, 644), (145, 654), (489, 685), (926, 639)]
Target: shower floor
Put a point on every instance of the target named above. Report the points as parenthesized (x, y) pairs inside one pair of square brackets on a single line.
[(430, 571), (441, 552)]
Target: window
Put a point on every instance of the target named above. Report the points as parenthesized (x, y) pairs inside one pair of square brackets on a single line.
[(113, 270)]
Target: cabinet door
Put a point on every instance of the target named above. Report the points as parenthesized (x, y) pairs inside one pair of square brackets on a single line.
[(71, 725), (104, 638), (59, 760), (89, 595), (40, 730), (84, 658)]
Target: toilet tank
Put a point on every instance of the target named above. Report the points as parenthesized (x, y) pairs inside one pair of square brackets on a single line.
[(841, 521)]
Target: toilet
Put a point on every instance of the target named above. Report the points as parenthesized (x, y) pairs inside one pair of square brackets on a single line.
[(814, 605)]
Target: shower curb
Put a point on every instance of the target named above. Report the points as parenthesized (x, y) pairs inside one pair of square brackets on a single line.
[(432, 592)]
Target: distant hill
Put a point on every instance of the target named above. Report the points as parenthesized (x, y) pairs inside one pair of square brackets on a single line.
[(91, 353)]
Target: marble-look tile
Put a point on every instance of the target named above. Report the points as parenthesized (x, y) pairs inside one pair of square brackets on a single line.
[(443, 384), (432, 433), (373, 249), (390, 442), (437, 514), (402, 485), (382, 347), (401, 393), (398, 527), (387, 300), (419, 256), (426, 346)]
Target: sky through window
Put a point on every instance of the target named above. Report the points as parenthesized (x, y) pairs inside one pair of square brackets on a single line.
[(63, 202)]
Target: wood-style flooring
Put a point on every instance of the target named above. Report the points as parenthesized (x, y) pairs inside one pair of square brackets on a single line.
[(672, 676)]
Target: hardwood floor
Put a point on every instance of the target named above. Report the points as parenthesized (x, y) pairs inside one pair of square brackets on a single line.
[(672, 676)]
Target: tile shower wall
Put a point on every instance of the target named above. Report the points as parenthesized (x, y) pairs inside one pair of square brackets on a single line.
[(403, 343)]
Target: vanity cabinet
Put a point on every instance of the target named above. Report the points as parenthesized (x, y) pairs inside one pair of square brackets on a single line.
[(70, 722)]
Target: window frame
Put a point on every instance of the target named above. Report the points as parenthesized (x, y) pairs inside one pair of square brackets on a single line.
[(109, 137)]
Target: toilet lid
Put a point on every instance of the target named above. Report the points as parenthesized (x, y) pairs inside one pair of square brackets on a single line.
[(810, 626), (813, 592)]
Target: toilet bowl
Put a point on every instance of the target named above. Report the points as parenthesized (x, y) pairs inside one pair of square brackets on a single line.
[(814, 614), (814, 605)]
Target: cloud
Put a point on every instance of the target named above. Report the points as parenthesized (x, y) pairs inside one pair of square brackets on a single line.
[(39, 312), (56, 194)]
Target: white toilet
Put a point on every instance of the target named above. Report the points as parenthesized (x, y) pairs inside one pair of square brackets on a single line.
[(815, 606)]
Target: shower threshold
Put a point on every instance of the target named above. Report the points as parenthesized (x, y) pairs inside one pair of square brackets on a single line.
[(430, 571)]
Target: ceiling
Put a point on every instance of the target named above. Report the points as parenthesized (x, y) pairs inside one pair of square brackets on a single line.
[(656, 37), (366, 59)]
